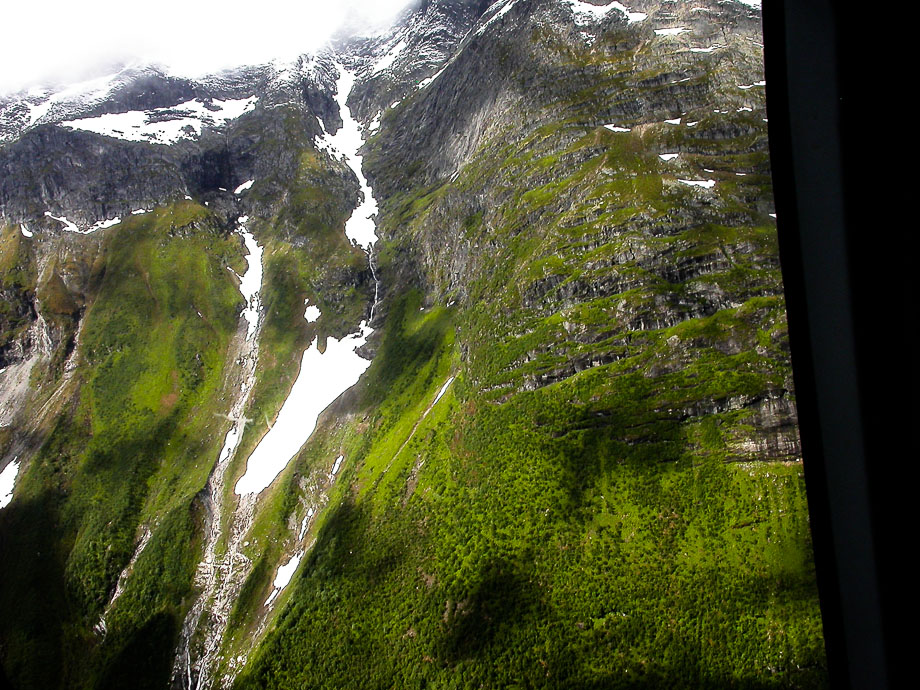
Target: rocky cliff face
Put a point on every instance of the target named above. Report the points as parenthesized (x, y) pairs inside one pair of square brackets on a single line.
[(573, 458)]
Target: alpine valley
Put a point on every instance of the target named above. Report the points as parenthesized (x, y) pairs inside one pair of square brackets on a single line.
[(450, 356)]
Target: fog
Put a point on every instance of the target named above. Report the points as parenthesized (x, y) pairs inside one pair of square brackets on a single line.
[(58, 41)]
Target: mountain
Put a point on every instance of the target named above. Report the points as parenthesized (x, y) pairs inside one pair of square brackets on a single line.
[(451, 356)]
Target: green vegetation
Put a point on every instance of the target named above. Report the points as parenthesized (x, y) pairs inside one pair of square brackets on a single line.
[(608, 494), (17, 284), (595, 502), (130, 454)]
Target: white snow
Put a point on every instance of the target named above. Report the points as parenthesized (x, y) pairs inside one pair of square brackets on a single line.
[(230, 442), (323, 377), (668, 156), (630, 15), (425, 82), (7, 482), (693, 124), (103, 224), (360, 227), (165, 125), (251, 280), (744, 109), (707, 184), (337, 465), (63, 219), (37, 112), (283, 578), (704, 50), (443, 390), (375, 123), (495, 17), (675, 121), (306, 522), (140, 212), (387, 60), (312, 313), (70, 226), (741, 174), (614, 128), (25, 231), (750, 3), (772, 215), (286, 572), (671, 32), (751, 86), (596, 12), (243, 187)]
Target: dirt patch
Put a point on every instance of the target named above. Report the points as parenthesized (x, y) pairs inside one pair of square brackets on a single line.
[(168, 401)]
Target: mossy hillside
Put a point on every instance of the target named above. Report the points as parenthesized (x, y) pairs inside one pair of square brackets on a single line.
[(371, 428), (576, 535), (17, 284), (133, 450)]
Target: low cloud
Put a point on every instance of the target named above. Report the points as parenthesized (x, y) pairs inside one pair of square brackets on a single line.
[(64, 41)]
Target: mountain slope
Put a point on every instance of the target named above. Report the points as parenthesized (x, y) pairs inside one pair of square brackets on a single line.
[(572, 460)]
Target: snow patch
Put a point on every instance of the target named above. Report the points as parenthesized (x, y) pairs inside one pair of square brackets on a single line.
[(630, 15), (614, 128), (707, 184), (443, 390), (675, 121), (668, 156), (251, 280), (751, 86), (165, 125), (323, 377), (103, 224), (25, 231), (671, 32), (361, 226), (306, 522), (7, 482), (283, 578), (425, 82), (70, 226), (597, 12), (337, 465), (508, 4), (390, 57), (243, 187), (312, 312)]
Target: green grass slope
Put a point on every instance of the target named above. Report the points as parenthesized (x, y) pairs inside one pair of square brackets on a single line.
[(128, 453)]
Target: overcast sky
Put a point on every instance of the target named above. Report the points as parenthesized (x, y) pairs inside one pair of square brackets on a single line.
[(71, 39)]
